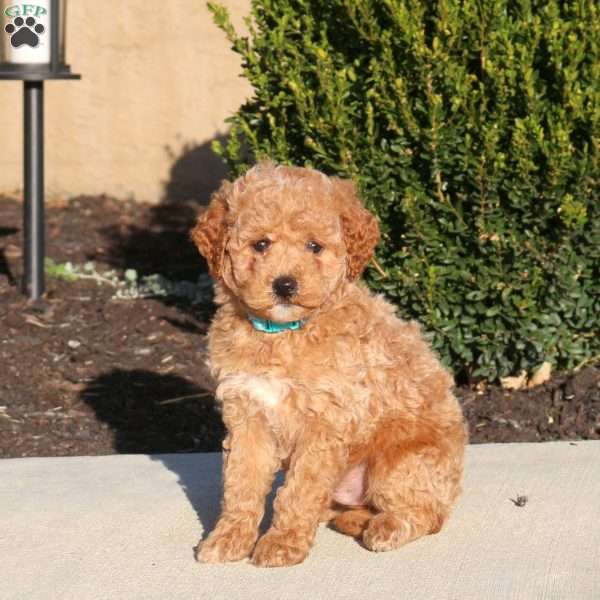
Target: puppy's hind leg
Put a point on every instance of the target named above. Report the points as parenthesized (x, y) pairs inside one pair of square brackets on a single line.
[(413, 484), (352, 521)]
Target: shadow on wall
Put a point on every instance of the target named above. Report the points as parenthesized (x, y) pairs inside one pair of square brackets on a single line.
[(195, 174), (161, 244)]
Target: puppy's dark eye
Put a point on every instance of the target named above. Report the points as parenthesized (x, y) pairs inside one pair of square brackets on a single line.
[(314, 247), (262, 245)]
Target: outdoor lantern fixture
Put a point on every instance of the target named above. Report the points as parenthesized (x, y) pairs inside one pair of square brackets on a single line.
[(32, 49)]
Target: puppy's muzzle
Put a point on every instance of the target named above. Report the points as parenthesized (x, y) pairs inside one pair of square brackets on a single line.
[(285, 287)]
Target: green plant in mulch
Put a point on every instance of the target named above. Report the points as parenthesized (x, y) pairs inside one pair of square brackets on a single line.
[(472, 130), (131, 286)]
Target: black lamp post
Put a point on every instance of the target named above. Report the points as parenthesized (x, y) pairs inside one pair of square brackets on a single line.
[(32, 49)]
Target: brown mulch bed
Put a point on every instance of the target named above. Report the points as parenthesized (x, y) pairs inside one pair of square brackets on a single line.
[(82, 373)]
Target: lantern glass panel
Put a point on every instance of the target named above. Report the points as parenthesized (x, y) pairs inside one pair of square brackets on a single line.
[(25, 32)]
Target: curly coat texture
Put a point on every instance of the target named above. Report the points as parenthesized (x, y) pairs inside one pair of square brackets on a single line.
[(354, 405)]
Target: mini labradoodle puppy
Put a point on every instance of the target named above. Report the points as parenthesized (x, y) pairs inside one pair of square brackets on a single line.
[(318, 376)]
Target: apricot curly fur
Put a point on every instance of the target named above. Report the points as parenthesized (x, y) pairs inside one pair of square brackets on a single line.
[(209, 233), (361, 230), (354, 405)]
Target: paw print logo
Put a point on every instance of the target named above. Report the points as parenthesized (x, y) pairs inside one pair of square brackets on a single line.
[(24, 32)]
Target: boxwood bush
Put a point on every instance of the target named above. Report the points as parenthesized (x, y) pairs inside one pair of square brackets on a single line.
[(472, 129)]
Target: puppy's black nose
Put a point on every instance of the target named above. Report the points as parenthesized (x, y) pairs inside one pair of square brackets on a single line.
[(285, 287)]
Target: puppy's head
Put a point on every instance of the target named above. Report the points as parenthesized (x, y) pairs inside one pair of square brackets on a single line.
[(283, 239)]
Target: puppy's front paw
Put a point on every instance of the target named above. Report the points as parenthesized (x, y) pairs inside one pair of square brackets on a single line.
[(228, 542), (280, 549)]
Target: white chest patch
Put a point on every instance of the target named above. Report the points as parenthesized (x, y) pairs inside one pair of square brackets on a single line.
[(265, 390), (281, 312)]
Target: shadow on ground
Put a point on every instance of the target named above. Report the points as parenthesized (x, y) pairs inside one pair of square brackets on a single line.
[(161, 244), (204, 488), (166, 415), (163, 415), (4, 266), (155, 413)]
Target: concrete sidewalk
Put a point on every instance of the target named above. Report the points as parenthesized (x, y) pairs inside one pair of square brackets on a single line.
[(123, 527)]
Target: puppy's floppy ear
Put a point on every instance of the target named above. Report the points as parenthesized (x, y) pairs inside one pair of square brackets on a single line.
[(210, 232), (360, 227)]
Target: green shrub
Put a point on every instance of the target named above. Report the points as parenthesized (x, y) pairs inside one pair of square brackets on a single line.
[(473, 131)]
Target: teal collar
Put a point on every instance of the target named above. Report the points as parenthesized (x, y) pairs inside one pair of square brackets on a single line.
[(273, 326)]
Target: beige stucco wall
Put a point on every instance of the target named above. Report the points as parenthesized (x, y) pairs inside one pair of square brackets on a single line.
[(159, 79)]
